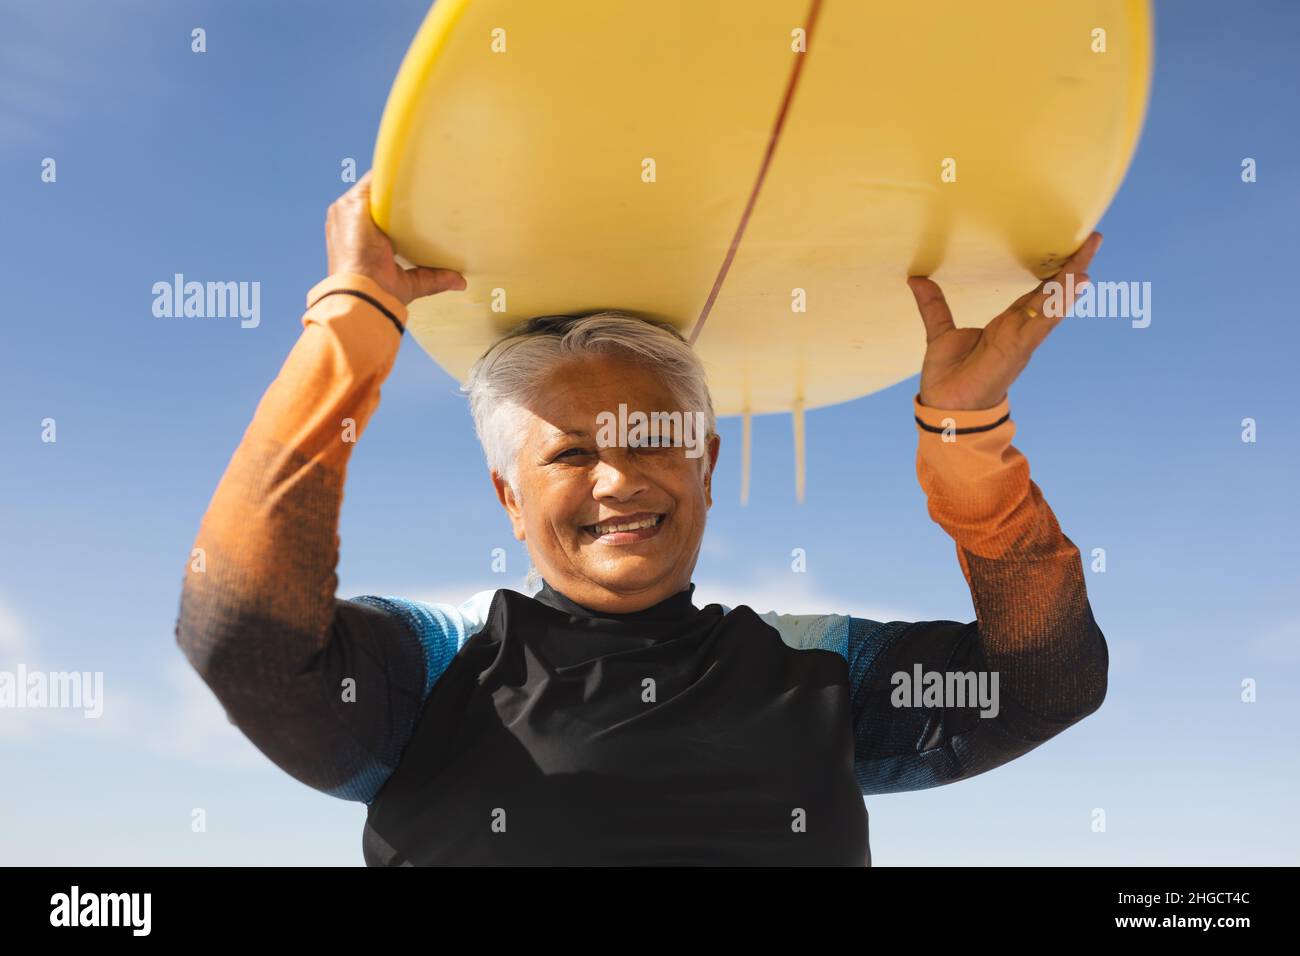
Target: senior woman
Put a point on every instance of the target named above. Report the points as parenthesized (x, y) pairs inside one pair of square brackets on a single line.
[(607, 719)]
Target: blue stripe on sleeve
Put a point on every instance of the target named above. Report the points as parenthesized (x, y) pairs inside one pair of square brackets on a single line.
[(442, 630)]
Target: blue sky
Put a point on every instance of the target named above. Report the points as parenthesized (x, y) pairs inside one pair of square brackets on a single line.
[(223, 164)]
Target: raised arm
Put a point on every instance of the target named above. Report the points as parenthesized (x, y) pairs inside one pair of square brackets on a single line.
[(1034, 630), (1034, 660), (328, 689)]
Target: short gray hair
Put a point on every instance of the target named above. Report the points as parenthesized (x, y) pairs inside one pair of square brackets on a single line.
[(511, 372)]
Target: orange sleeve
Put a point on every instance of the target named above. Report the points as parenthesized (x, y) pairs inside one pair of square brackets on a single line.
[(272, 523), (258, 617), (1025, 576)]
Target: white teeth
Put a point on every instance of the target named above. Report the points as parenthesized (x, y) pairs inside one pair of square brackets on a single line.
[(611, 527)]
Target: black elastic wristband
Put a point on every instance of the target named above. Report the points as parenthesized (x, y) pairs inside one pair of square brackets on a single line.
[(401, 330), (963, 431)]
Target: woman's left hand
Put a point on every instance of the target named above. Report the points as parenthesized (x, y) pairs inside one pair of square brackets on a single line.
[(973, 368)]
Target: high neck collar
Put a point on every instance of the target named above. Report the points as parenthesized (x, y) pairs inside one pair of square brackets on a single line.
[(675, 607)]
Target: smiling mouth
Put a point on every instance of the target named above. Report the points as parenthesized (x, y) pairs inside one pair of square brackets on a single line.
[(626, 530)]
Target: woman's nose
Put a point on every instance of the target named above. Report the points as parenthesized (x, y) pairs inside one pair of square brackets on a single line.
[(617, 474)]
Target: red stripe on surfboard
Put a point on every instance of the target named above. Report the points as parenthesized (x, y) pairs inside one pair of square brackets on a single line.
[(772, 140)]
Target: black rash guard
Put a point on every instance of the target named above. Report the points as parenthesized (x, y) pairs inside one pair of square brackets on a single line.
[(674, 735), (529, 730)]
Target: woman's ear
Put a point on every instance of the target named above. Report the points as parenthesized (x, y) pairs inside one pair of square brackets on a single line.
[(715, 443), (511, 502)]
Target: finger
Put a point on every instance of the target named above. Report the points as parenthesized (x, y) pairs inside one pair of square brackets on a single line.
[(1070, 277), (1082, 257), (1031, 317), (1057, 295), (1042, 313), (933, 307), (426, 281), (360, 191)]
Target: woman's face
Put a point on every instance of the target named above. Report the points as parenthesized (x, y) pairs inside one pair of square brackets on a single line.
[(569, 479)]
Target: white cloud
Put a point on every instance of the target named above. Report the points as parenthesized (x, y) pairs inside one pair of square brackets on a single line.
[(177, 717), (14, 642), (13, 633), (794, 594), (192, 725), (1280, 643)]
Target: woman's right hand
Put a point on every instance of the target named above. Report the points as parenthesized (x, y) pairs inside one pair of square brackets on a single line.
[(355, 244)]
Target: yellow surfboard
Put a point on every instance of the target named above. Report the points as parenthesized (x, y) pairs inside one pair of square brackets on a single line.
[(762, 173)]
